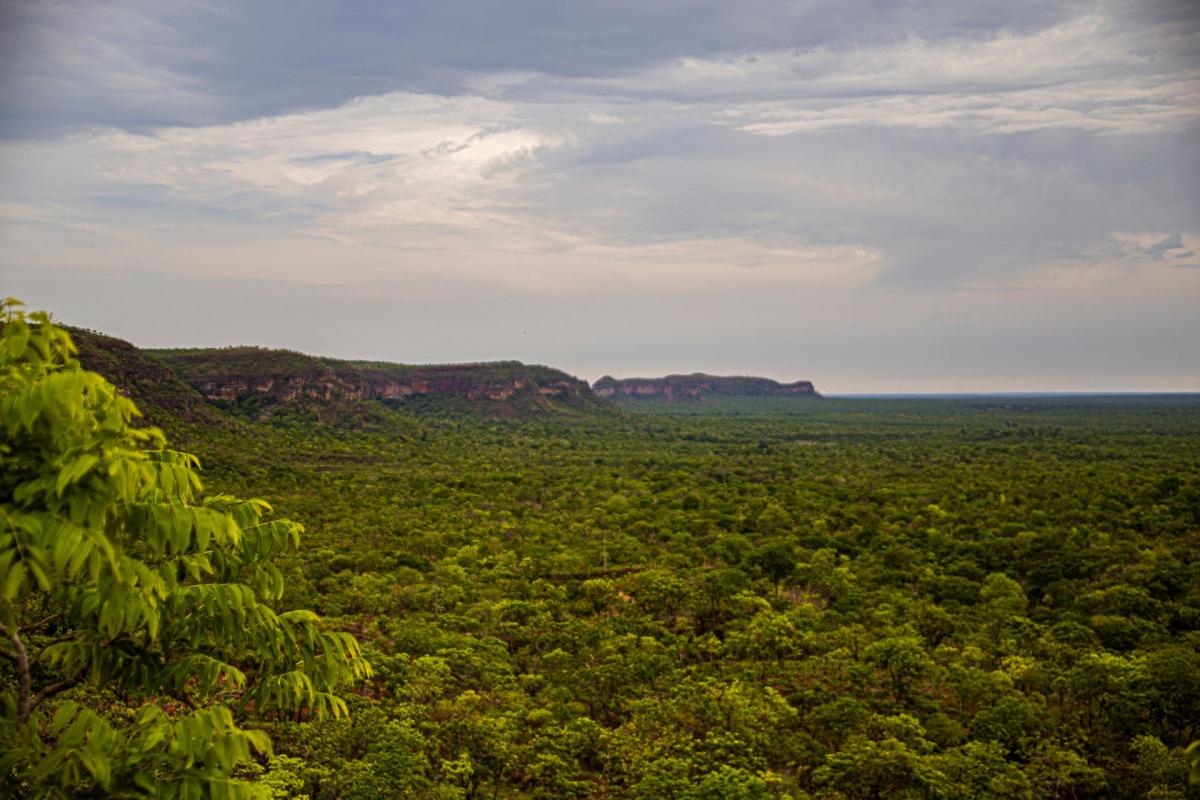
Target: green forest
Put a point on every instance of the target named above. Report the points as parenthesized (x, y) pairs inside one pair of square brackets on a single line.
[(741, 599)]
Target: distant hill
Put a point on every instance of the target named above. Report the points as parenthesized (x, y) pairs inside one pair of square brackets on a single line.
[(698, 386), (268, 377), (260, 383)]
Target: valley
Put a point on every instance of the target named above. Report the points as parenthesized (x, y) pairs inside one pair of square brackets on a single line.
[(753, 597)]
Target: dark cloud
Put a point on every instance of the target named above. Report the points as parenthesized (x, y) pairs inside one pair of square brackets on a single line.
[(164, 62), (939, 189), (946, 206), (1160, 249)]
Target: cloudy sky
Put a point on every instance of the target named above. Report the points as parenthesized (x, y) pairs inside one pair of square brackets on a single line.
[(876, 196)]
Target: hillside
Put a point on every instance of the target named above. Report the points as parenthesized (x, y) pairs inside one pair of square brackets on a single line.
[(157, 390), (261, 383), (698, 386), (257, 377)]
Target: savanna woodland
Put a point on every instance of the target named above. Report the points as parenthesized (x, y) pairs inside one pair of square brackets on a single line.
[(741, 599)]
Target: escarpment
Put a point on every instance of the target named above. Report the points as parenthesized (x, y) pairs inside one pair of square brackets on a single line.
[(506, 388), (699, 386), (258, 383)]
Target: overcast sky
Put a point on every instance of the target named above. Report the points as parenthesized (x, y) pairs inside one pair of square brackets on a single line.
[(876, 196)]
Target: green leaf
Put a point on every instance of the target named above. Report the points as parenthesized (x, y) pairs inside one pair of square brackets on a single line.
[(74, 471), (13, 578), (63, 715), (98, 764)]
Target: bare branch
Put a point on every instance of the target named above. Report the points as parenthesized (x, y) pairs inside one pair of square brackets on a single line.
[(43, 621), (20, 659), (53, 689)]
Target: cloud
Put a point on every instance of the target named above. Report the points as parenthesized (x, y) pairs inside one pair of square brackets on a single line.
[(155, 63), (942, 161), (752, 172), (1099, 106), (399, 182), (1092, 72), (66, 63), (1159, 249)]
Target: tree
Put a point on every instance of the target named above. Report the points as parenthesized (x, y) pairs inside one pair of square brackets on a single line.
[(867, 770), (1172, 680), (118, 577), (981, 770), (1003, 597), (776, 560), (903, 659)]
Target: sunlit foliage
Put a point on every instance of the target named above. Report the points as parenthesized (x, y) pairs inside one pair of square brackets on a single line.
[(135, 612)]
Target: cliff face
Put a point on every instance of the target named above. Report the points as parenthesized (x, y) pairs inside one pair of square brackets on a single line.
[(506, 388), (697, 386), (259, 383)]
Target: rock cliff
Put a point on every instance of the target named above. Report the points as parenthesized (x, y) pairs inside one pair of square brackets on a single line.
[(698, 386), (258, 383), (504, 388)]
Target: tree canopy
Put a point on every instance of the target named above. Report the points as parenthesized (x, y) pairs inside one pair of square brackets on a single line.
[(767, 598)]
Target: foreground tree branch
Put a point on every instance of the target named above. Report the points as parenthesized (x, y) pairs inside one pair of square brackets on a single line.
[(20, 658)]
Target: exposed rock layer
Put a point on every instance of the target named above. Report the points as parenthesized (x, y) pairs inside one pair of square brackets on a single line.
[(235, 374), (698, 386), (257, 380)]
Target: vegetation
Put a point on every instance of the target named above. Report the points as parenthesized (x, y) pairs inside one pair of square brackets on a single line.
[(258, 382), (697, 387), (134, 613), (752, 598)]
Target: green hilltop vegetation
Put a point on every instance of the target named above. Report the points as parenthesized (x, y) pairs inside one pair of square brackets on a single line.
[(254, 378), (262, 384), (697, 387), (755, 598)]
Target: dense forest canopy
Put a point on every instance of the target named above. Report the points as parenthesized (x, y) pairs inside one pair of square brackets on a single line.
[(758, 598)]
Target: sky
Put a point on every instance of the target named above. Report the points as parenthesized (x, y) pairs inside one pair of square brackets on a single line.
[(876, 196)]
